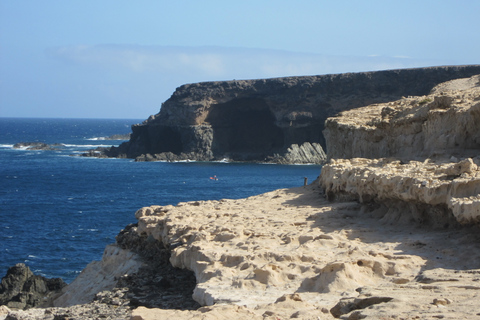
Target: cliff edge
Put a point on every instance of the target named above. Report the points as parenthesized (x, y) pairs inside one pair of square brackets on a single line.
[(417, 157), (274, 120), (388, 231)]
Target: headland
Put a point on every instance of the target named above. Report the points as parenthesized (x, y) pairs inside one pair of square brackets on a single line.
[(388, 231)]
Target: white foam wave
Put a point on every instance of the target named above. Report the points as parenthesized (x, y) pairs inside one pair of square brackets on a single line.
[(88, 145), (105, 138), (6, 146), (97, 138)]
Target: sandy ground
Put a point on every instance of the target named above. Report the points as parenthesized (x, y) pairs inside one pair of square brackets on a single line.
[(292, 254)]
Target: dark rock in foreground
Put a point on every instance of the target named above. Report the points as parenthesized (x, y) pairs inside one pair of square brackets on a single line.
[(260, 120), (21, 289)]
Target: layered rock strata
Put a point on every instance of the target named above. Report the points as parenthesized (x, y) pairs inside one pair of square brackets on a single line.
[(441, 124), (438, 194), (440, 129), (261, 120)]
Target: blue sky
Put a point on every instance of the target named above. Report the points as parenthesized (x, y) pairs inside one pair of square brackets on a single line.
[(122, 59)]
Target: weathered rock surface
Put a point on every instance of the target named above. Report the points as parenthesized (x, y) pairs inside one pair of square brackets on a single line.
[(21, 289), (399, 240), (91, 311), (260, 120), (99, 276), (137, 271), (441, 128), (441, 124), (293, 254), (437, 194)]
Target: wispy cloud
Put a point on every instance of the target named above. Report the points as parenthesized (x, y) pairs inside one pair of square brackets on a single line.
[(133, 80), (216, 63)]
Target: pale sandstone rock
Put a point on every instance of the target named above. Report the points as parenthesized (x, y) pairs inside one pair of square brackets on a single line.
[(292, 254), (34, 313), (244, 253), (452, 188), (204, 313), (441, 124), (251, 252), (99, 276), (4, 310)]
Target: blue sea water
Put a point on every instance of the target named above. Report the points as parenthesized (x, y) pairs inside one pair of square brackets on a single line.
[(58, 212)]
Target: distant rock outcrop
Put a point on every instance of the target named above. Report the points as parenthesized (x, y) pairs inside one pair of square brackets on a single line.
[(37, 146), (263, 120)]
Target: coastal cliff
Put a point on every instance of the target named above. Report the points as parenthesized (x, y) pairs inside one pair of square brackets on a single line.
[(388, 231), (418, 156), (443, 123), (274, 120)]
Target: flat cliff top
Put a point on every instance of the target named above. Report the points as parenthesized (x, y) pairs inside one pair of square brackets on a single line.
[(460, 94), (292, 254), (441, 124), (319, 95)]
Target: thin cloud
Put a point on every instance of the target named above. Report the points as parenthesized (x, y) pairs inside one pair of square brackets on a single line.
[(219, 63)]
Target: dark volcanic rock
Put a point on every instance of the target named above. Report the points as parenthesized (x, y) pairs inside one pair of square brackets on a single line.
[(158, 284), (37, 146), (21, 289), (260, 120)]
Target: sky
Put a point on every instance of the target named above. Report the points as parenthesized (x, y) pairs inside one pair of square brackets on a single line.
[(122, 59)]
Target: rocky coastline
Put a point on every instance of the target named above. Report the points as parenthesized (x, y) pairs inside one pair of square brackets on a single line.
[(276, 120), (38, 146), (388, 231)]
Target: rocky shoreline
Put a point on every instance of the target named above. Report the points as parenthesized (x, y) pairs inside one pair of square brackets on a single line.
[(390, 230), (276, 120), (38, 146)]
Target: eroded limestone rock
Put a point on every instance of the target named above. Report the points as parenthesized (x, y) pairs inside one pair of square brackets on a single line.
[(442, 124), (99, 276), (441, 130)]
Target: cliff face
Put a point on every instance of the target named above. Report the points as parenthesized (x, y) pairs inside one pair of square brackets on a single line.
[(441, 130), (312, 252), (444, 122), (259, 120)]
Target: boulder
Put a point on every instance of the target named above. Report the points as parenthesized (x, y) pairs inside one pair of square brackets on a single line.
[(21, 289)]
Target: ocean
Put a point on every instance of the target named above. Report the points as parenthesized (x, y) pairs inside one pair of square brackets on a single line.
[(58, 211)]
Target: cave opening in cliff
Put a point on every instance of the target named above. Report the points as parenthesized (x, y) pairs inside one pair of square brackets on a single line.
[(170, 141), (244, 128)]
